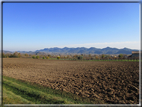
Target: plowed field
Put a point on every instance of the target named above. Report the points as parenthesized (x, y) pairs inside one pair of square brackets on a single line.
[(112, 82)]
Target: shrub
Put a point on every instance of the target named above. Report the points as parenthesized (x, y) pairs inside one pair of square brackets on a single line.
[(103, 56), (13, 56), (26, 54), (37, 57), (80, 57), (47, 57), (120, 56), (19, 55), (33, 57), (58, 57), (43, 58)]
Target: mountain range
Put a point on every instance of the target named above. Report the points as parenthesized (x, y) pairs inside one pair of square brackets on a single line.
[(79, 50)]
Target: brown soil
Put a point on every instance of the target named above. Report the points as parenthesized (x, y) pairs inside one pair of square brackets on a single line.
[(112, 82)]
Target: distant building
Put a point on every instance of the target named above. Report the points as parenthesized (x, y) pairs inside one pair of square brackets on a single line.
[(134, 55)]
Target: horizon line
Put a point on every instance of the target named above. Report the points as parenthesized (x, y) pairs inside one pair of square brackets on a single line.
[(69, 47)]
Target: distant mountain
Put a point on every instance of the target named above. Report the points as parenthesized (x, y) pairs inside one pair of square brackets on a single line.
[(79, 50), (83, 50), (6, 52)]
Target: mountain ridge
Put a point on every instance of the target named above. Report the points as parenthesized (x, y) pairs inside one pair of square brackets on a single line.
[(81, 50)]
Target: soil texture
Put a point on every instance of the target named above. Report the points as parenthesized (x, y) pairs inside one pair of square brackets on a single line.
[(111, 81)]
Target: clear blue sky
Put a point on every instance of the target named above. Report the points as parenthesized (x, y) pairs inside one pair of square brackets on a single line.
[(34, 26)]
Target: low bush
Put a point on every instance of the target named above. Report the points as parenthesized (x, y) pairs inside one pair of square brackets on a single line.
[(43, 58), (58, 57), (13, 56), (33, 57), (37, 57), (47, 57), (80, 57)]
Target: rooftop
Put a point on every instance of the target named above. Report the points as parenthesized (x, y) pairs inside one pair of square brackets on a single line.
[(135, 52)]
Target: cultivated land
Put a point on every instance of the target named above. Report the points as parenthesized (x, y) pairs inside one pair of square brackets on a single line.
[(109, 82)]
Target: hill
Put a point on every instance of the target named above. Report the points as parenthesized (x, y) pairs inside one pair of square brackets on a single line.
[(83, 50), (79, 50)]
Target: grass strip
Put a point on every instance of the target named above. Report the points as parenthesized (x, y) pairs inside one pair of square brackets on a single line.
[(43, 95), (10, 98), (36, 96)]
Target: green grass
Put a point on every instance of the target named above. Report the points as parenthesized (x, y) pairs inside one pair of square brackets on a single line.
[(20, 92), (9, 98)]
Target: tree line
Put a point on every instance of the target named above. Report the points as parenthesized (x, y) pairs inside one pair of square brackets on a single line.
[(70, 57)]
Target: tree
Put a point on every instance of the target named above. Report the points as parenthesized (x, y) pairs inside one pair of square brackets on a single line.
[(80, 57), (103, 56), (58, 57), (26, 54), (47, 57), (108, 57), (120, 56), (33, 57), (19, 55), (37, 57), (75, 57), (14, 55)]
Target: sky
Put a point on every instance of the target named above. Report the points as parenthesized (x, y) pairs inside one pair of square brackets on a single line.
[(34, 26)]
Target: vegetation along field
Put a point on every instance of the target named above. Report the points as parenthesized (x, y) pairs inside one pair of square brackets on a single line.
[(68, 82)]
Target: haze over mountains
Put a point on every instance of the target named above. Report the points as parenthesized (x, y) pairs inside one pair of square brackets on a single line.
[(80, 50)]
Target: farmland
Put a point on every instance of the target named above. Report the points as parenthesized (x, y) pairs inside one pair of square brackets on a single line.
[(104, 81)]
